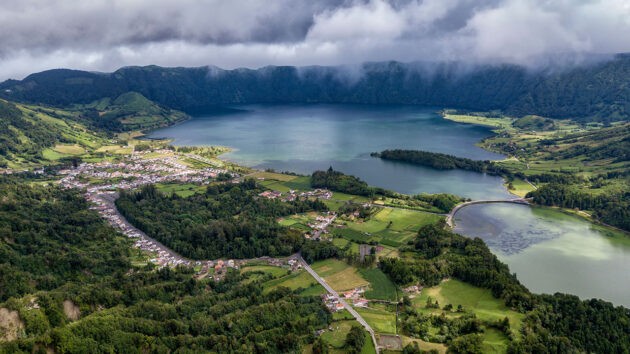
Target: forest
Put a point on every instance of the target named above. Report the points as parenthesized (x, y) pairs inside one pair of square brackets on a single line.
[(338, 182), (227, 221), (441, 161), (612, 209), (55, 250)]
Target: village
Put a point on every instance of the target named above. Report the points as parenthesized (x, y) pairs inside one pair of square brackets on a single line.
[(136, 171), (293, 195)]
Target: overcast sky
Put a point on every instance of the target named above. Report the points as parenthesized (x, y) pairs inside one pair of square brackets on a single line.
[(104, 35)]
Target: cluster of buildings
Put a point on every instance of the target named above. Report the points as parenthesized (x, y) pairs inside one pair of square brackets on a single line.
[(332, 302), (293, 195), (320, 226), (136, 171), (413, 290), (356, 295), (98, 181), (316, 193)]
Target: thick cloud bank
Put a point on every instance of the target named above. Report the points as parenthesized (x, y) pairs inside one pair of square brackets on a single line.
[(106, 34)]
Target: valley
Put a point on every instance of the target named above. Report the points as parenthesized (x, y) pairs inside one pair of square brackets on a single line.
[(364, 241)]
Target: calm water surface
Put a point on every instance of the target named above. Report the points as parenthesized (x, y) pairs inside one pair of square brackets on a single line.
[(305, 138), (551, 251)]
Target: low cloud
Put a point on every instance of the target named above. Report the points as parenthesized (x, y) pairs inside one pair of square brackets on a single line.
[(103, 35)]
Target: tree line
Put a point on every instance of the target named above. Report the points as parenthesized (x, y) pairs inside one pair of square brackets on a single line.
[(441, 161), (612, 209)]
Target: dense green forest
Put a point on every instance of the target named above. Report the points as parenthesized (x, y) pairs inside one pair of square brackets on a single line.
[(441, 161), (338, 182), (596, 91), (48, 238), (229, 220), (54, 251), (556, 323), (612, 209)]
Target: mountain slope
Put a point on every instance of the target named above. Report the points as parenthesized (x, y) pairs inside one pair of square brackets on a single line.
[(31, 134), (595, 92), (129, 111)]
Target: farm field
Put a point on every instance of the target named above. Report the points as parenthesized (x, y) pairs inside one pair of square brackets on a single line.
[(441, 348), (473, 299), (521, 188), (295, 281), (339, 275), (381, 288), (381, 320), (274, 271), (389, 226)]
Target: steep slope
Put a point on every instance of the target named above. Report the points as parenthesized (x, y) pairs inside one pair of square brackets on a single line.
[(28, 134), (129, 111), (598, 91)]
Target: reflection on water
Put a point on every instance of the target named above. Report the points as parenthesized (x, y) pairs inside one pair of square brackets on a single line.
[(551, 251), (304, 138)]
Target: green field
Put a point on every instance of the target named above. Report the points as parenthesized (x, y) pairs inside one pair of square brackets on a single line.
[(494, 341), (441, 348), (272, 176), (381, 320), (336, 338), (183, 190), (116, 149), (69, 149), (520, 187), (276, 272), (381, 288), (295, 281), (473, 299), (389, 226)]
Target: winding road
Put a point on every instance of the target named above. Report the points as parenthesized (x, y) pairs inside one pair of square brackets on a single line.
[(449, 216)]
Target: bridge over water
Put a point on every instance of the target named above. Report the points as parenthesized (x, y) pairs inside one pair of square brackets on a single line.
[(451, 215)]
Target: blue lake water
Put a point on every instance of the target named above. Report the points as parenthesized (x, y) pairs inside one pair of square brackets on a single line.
[(305, 138)]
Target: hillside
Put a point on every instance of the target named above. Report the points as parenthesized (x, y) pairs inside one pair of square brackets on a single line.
[(31, 135), (596, 92), (129, 111)]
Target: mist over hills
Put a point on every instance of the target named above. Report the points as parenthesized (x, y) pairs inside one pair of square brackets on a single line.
[(595, 92)]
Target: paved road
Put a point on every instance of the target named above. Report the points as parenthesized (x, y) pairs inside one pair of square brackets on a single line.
[(347, 306), (449, 216)]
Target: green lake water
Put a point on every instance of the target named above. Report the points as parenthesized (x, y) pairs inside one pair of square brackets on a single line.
[(550, 251)]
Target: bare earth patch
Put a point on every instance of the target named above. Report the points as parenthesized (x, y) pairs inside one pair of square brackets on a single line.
[(10, 325), (71, 310)]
